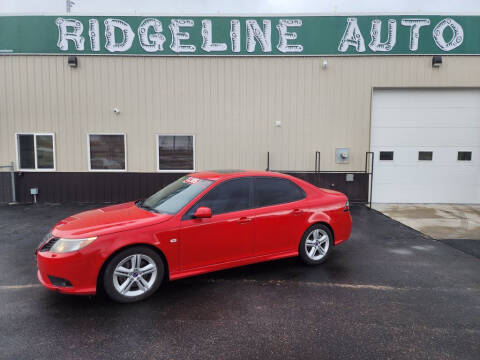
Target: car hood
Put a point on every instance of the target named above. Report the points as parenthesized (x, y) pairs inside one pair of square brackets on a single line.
[(106, 220)]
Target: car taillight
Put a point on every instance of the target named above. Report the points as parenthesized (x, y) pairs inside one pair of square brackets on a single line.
[(347, 206)]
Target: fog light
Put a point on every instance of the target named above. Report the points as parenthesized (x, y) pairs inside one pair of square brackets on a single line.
[(59, 281)]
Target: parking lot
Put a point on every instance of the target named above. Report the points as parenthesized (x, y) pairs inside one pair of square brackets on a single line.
[(388, 292)]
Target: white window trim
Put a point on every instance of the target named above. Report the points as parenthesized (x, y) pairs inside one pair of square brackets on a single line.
[(158, 157), (35, 151), (124, 152)]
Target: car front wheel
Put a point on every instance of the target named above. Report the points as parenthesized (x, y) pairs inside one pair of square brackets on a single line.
[(133, 274), (316, 244)]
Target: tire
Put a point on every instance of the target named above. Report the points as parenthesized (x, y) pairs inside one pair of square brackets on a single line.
[(124, 280), (314, 248)]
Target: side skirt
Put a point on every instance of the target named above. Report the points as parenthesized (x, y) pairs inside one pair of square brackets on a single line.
[(231, 264)]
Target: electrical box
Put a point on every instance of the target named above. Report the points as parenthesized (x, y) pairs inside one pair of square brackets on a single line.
[(342, 155), (349, 178)]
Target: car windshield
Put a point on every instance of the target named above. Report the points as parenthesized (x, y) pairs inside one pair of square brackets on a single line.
[(172, 198)]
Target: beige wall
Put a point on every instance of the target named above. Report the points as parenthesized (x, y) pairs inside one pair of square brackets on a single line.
[(230, 104)]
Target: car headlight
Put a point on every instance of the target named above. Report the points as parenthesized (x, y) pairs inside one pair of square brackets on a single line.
[(68, 245)]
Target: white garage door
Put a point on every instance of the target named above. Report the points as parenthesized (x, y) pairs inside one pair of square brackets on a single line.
[(426, 145)]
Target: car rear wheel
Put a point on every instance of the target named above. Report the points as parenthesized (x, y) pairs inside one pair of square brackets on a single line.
[(133, 274), (316, 244)]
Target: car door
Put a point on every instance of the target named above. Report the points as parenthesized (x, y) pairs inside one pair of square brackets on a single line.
[(279, 218), (228, 235)]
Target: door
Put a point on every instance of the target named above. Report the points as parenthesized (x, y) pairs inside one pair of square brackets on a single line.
[(427, 146), (279, 216), (228, 235)]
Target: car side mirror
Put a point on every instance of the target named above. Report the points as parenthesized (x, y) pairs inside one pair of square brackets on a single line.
[(203, 212)]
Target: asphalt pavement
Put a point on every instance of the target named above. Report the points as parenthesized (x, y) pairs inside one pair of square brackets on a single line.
[(388, 292)]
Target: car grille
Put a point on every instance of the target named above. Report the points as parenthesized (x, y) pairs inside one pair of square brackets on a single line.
[(48, 245)]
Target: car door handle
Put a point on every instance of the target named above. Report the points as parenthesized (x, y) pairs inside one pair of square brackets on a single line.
[(243, 220), (297, 212)]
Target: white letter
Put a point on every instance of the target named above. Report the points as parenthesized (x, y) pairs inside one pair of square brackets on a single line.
[(265, 37), (93, 34), (128, 35), (284, 36), (153, 42), (376, 32), (415, 25), (235, 35), (64, 35), (457, 37), (207, 44), (352, 37), (174, 27)]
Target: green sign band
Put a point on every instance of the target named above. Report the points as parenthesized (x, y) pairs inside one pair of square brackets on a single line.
[(233, 36)]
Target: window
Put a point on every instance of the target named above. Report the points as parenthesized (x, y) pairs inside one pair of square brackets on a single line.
[(464, 156), (36, 151), (271, 191), (172, 198), (175, 152), (231, 195), (386, 155), (425, 155), (106, 152)]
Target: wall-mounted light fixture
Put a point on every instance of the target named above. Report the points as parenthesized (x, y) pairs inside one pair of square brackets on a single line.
[(278, 123), (436, 61), (116, 111), (72, 61), (324, 64)]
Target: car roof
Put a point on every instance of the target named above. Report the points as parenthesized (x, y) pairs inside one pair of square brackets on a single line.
[(227, 174)]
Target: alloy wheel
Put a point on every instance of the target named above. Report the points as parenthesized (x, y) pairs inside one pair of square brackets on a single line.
[(317, 244), (134, 275)]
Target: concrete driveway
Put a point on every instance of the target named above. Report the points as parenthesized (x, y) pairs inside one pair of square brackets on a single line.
[(388, 292), (440, 221)]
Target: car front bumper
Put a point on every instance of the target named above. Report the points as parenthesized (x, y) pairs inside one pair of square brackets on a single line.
[(75, 267)]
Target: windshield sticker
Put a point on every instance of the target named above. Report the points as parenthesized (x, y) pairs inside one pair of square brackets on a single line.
[(191, 180)]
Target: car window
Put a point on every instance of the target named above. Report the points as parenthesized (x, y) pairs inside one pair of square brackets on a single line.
[(172, 198), (271, 191), (231, 195)]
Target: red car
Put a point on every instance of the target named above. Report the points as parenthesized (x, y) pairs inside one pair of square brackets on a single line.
[(202, 222)]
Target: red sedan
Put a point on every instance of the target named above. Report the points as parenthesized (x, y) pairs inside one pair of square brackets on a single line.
[(202, 222)]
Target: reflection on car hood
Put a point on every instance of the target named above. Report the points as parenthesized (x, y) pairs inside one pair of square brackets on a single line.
[(106, 220)]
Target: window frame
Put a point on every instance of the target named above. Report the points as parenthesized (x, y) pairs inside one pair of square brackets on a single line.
[(35, 134), (386, 151), (124, 152), (256, 206), (157, 155), (424, 160), (464, 160)]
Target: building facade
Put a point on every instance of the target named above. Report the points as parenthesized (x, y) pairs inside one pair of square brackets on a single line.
[(109, 109)]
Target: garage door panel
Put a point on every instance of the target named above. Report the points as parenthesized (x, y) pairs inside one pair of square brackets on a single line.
[(441, 121), (426, 98), (427, 176), (411, 136), (415, 117), (441, 156), (413, 194)]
